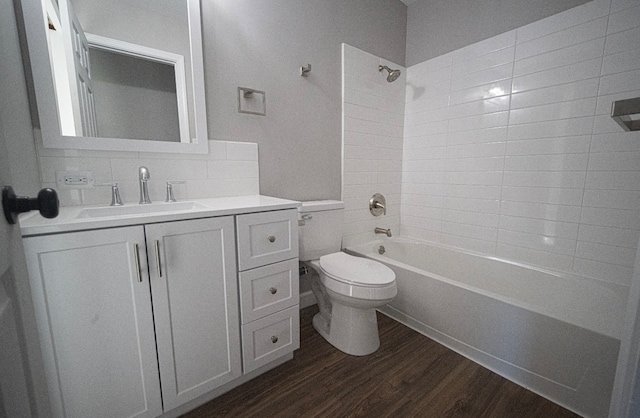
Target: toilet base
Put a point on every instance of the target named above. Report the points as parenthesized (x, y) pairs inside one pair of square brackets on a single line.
[(351, 330)]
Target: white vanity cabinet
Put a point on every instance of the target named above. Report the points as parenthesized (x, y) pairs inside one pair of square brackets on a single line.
[(95, 321), (102, 312), (269, 286)]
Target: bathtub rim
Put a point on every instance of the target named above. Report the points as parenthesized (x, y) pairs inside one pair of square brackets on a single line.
[(616, 290)]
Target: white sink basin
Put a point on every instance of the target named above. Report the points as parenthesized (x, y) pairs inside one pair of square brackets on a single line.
[(108, 211)]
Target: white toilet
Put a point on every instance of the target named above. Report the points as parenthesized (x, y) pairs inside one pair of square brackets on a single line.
[(348, 289)]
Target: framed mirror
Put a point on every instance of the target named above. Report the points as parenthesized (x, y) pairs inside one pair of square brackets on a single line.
[(122, 75)]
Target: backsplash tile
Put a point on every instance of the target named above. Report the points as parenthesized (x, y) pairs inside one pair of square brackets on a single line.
[(229, 169)]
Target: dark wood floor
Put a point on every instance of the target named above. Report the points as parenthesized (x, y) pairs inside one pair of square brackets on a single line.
[(409, 376)]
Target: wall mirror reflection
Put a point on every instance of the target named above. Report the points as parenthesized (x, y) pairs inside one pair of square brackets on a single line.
[(118, 75)]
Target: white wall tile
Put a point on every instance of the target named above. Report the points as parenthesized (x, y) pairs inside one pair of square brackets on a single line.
[(547, 146), (564, 92), (622, 41), (580, 33), (561, 75), (572, 17), (569, 55), (536, 194)]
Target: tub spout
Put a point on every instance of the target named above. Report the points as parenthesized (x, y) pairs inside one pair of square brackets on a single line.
[(383, 231)]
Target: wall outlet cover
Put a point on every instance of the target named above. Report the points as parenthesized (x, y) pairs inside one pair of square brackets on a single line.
[(75, 179)]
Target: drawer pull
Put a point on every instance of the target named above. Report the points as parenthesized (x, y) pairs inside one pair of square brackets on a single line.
[(274, 339), (273, 290), (272, 238)]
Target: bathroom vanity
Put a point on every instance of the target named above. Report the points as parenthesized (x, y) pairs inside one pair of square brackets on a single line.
[(150, 310)]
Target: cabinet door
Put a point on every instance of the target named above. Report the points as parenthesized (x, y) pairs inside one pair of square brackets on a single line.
[(93, 312), (195, 303)]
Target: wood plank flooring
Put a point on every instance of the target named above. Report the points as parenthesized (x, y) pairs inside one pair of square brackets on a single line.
[(409, 376)]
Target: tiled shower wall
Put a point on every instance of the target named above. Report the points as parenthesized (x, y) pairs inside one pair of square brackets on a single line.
[(373, 118), (229, 169), (509, 149)]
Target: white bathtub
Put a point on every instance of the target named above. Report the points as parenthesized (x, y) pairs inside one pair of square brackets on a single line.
[(554, 333)]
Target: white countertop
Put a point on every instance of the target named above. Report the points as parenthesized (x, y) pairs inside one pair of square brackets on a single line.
[(69, 219)]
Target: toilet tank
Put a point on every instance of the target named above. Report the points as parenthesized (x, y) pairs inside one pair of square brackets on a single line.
[(319, 228)]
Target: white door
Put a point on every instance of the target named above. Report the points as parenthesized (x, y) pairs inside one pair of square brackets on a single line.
[(78, 65), (14, 400), (93, 310), (195, 304)]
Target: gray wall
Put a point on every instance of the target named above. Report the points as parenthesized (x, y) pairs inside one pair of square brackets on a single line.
[(435, 27), (261, 45)]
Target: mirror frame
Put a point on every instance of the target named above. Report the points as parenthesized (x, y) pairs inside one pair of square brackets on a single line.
[(38, 52)]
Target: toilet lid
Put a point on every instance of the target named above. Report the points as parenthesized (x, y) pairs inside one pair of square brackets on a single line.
[(358, 270)]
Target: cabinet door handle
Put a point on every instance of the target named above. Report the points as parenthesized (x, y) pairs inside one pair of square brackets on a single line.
[(274, 339), (273, 290), (272, 238), (136, 257), (158, 262)]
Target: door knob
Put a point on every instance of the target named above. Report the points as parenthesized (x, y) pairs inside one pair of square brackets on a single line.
[(46, 202)]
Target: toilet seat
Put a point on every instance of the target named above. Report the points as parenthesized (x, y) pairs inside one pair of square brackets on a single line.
[(356, 277), (357, 271)]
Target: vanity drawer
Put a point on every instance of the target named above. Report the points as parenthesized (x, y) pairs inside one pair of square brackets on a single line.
[(269, 289), (267, 237), (269, 338)]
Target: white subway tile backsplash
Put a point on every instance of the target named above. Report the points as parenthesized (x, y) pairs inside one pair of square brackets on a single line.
[(207, 175)]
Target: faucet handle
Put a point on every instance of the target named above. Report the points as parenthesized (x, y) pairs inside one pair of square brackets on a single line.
[(115, 193), (170, 197)]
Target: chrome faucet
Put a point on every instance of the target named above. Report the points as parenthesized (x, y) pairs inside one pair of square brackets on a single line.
[(383, 231), (144, 176)]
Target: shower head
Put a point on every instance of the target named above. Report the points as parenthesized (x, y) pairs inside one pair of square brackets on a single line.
[(393, 74)]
